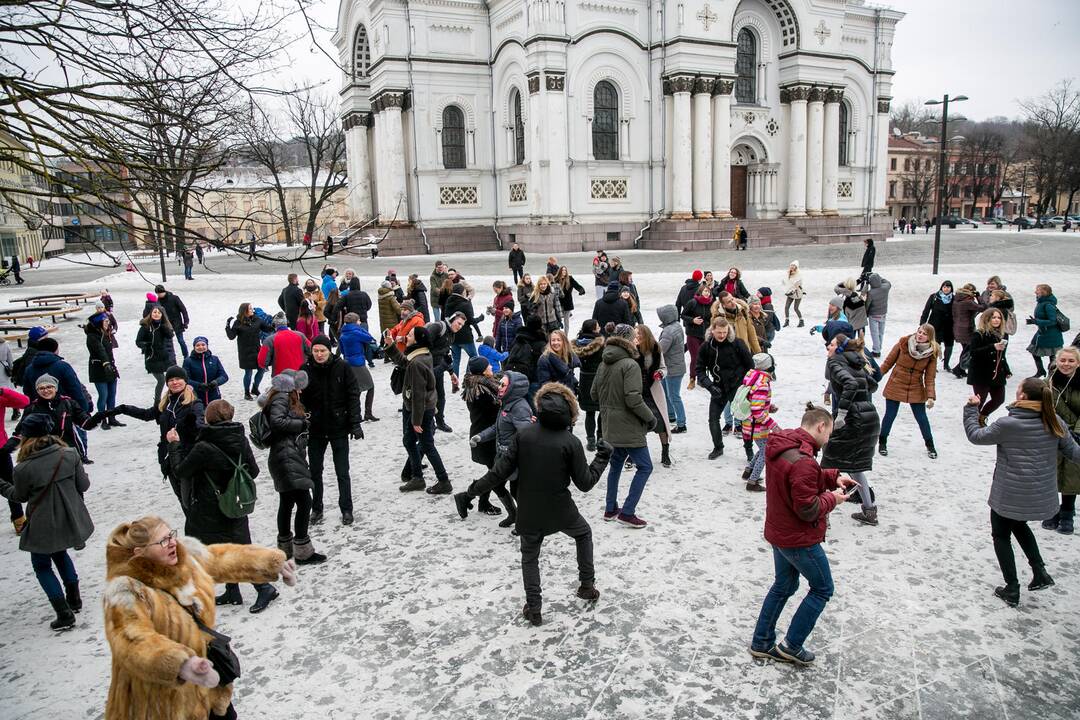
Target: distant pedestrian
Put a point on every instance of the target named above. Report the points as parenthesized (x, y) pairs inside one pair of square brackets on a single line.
[(1048, 338), (516, 261), (793, 293)]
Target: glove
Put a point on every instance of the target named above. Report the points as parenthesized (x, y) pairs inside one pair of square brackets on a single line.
[(813, 331), (604, 449), (288, 572), (1030, 321), (357, 433), (212, 384), (657, 375), (474, 441), (650, 425), (228, 322), (94, 420), (10, 445), (580, 292), (838, 423), (929, 403), (198, 671)]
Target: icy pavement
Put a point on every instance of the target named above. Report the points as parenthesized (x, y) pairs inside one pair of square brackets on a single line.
[(417, 614)]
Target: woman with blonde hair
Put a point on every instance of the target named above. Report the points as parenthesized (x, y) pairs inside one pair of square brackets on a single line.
[(1029, 441), (558, 361), (653, 371), (567, 285), (793, 292), (913, 361), (546, 304), (168, 661), (989, 370), (1065, 385)]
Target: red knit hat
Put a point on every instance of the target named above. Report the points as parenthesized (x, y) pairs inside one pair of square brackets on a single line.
[(697, 275)]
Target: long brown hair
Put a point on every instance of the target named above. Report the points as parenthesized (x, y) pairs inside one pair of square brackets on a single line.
[(1039, 390), (563, 354), (646, 340), (986, 328), (146, 321), (295, 405), (242, 316), (29, 446)]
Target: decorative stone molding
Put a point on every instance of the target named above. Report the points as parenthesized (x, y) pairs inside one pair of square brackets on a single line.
[(355, 119), (534, 82), (608, 188), (388, 99), (785, 18), (682, 83), (439, 27), (823, 32), (668, 87), (834, 95), (748, 117), (844, 189), (723, 86), (554, 81), (758, 26), (799, 92), (817, 94), (883, 104), (704, 86), (623, 84), (459, 196), (605, 7), (772, 127), (508, 107), (463, 103), (519, 192), (509, 20), (785, 96)]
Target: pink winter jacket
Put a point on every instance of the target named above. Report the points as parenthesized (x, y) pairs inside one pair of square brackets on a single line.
[(760, 423)]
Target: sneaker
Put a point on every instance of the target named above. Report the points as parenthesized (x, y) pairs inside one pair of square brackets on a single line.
[(746, 472), (768, 654), (1011, 595), (631, 521), (755, 486), (866, 516), (716, 452), (443, 487), (247, 396), (413, 485), (628, 465), (799, 657), (588, 592), (463, 503), (532, 615), (610, 515), (488, 509)]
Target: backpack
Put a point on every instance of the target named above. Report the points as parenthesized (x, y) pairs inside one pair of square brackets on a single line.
[(259, 430), (397, 379), (239, 496), (1062, 320), (1010, 323), (740, 404), (17, 369)]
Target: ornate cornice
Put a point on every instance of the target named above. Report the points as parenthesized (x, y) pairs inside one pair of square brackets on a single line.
[(798, 93), (816, 95), (834, 95), (785, 96), (668, 89), (554, 81), (704, 85)]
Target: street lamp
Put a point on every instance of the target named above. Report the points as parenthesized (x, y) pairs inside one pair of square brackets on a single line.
[(942, 170)]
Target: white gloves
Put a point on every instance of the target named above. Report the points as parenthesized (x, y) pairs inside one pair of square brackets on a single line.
[(288, 572), (474, 441), (198, 671)]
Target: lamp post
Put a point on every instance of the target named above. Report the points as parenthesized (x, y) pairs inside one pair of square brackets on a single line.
[(942, 171)]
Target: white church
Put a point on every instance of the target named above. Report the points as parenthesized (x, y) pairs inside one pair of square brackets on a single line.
[(595, 122)]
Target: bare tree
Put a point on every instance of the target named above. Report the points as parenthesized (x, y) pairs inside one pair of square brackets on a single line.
[(981, 157), (913, 116), (919, 181), (1051, 128)]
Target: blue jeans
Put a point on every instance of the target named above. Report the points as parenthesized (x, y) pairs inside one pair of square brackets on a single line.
[(248, 384), (672, 388), (877, 331), (728, 418), (43, 569), (789, 563), (455, 354), (436, 312), (643, 465), (917, 409), (106, 395), (187, 271), (182, 344)]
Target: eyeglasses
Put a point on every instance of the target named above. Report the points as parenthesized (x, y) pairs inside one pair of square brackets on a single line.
[(164, 542)]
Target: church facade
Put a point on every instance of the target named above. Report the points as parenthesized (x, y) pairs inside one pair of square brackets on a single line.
[(595, 112)]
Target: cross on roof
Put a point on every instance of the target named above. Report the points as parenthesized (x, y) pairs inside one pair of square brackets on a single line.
[(707, 16)]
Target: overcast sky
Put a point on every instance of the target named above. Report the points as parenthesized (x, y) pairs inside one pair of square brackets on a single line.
[(997, 52)]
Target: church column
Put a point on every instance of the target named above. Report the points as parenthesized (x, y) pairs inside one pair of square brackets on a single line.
[(379, 132), (355, 126), (396, 194), (831, 160), (721, 164), (814, 151), (554, 102), (669, 133), (682, 190), (703, 148), (882, 156), (534, 147), (796, 164)]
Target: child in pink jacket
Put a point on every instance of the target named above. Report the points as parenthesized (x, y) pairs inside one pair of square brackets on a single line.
[(759, 424)]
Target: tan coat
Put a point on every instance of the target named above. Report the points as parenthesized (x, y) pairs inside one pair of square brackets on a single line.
[(740, 322), (316, 298), (911, 380), (151, 634)]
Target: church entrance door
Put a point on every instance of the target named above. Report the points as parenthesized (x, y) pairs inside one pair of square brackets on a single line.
[(738, 191)]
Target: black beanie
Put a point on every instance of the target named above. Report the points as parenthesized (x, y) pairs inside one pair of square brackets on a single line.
[(478, 365), (36, 424), (420, 336), (176, 372), (322, 340)]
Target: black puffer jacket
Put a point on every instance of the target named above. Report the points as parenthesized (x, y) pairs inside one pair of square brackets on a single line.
[(356, 301), (332, 396), (721, 366), (102, 365), (186, 418), (588, 349), (694, 309), (481, 397), (459, 303), (851, 445), (988, 365), (612, 308), (209, 466), (246, 334), (155, 340), (288, 444), (524, 354), (939, 314)]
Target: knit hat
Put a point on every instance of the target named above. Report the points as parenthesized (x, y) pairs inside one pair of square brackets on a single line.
[(837, 301), (763, 361), (200, 339), (613, 286), (151, 297), (280, 321), (47, 380), (48, 344), (421, 336), (386, 284), (98, 318), (697, 275), (478, 365), (409, 304), (624, 331), (36, 333), (37, 424), (289, 380), (509, 304), (99, 307), (176, 372), (322, 340), (764, 291)]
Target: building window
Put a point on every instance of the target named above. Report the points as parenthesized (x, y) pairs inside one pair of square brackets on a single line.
[(519, 128), (453, 138), (907, 164), (843, 140), (746, 68), (892, 162), (892, 188), (605, 124), (361, 55)]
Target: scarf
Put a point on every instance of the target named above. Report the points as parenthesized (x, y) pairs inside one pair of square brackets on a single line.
[(730, 286), (946, 298), (473, 386), (919, 351), (703, 300)]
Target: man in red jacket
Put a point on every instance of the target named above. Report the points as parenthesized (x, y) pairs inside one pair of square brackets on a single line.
[(284, 350), (799, 496)]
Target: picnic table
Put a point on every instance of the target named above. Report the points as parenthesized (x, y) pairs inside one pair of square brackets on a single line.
[(14, 316), (77, 298), (18, 333)]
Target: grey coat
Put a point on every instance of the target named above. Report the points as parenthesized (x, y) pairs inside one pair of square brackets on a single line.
[(1025, 476), (672, 340), (514, 413), (877, 295), (57, 516)]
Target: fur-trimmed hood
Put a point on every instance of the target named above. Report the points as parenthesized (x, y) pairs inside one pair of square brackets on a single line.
[(616, 347), (586, 345), (556, 406)]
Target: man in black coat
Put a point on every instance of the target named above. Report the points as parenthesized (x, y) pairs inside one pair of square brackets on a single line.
[(176, 312), (441, 334), (332, 397), (289, 300), (356, 301), (688, 291), (547, 457), (516, 262), (611, 308)]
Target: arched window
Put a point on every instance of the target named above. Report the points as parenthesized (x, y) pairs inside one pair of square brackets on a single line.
[(746, 67), (361, 55), (519, 128), (605, 124), (453, 138), (843, 141)]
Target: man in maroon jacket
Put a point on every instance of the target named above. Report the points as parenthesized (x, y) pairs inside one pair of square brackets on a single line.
[(799, 496)]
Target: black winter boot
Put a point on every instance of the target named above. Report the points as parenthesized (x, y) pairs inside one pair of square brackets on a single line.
[(231, 596), (65, 618), (931, 451), (665, 456), (1040, 579), (71, 594), (267, 594), (463, 503), (1065, 525), (532, 615), (285, 545), (1052, 523), (883, 445), (511, 508), (1009, 593)]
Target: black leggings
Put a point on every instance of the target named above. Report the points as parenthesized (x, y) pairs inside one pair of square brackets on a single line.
[(1003, 530), (1068, 504), (593, 425), (301, 500), (787, 307), (947, 354)]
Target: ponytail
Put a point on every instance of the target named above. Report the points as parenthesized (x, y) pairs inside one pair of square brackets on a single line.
[(1039, 391)]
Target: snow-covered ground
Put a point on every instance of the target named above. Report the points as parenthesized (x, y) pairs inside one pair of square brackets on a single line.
[(417, 614)]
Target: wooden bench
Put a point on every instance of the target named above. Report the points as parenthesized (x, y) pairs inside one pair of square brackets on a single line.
[(77, 298), (40, 312), (19, 333)]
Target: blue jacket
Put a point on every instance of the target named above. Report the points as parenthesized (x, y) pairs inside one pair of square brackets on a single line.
[(508, 329), (203, 370), (493, 356), (265, 320), (328, 284), (354, 341), (551, 368), (49, 363)]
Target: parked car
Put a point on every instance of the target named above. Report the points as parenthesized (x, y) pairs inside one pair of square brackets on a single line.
[(1024, 222)]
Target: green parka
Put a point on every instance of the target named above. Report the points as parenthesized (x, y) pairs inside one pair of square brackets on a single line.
[(617, 387)]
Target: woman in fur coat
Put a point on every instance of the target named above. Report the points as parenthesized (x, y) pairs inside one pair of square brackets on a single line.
[(157, 587)]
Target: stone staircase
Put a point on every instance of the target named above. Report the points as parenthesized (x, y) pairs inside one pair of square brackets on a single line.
[(408, 240), (698, 235)]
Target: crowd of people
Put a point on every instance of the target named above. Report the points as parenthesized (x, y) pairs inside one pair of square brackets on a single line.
[(525, 380)]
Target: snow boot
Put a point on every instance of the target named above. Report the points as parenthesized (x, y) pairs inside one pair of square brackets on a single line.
[(755, 486), (748, 448), (71, 594), (1052, 523), (746, 472), (485, 507), (1040, 579), (679, 429), (1065, 526), (588, 592), (285, 545), (511, 509), (716, 452), (267, 594), (463, 503), (801, 323), (532, 615), (316, 517), (65, 618), (1009, 593), (883, 445), (231, 596), (247, 396), (931, 451), (787, 321), (442, 487), (413, 485), (866, 516), (665, 456), (305, 554)]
